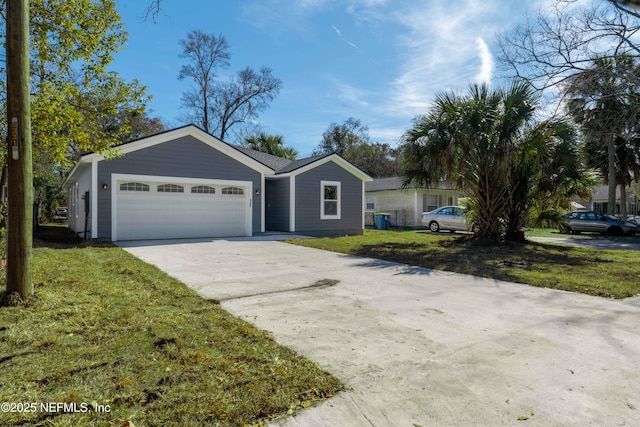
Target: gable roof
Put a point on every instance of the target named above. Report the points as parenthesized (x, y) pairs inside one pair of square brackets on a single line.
[(395, 183), (274, 162), (286, 167), (601, 192), (162, 137), (297, 164), (257, 160)]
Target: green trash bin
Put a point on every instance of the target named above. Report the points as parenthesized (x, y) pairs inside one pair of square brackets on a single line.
[(382, 221)]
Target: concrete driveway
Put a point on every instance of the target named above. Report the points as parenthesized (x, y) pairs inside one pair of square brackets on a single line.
[(591, 242), (420, 347)]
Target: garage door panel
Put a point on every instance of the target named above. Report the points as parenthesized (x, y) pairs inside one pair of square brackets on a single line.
[(153, 215)]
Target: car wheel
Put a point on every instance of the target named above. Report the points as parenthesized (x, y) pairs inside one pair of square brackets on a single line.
[(615, 231), (434, 226)]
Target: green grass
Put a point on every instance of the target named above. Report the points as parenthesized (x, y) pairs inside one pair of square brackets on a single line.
[(106, 328), (605, 273)]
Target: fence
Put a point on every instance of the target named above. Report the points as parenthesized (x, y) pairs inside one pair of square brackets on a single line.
[(397, 218)]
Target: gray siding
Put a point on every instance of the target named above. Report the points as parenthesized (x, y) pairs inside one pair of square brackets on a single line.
[(308, 202), (183, 157), (278, 203), (75, 214)]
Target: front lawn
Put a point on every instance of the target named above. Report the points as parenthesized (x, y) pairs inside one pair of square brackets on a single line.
[(105, 330), (595, 272)]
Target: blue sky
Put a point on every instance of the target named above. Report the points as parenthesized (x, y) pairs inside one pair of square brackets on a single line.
[(380, 61)]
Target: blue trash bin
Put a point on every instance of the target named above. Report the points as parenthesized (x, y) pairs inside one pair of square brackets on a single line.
[(382, 221)]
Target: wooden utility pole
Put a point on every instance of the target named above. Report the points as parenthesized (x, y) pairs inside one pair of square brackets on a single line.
[(20, 173)]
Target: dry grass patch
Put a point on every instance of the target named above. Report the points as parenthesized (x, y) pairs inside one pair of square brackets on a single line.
[(104, 328)]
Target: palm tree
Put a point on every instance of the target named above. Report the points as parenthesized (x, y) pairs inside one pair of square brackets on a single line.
[(487, 145), (546, 172), (468, 141), (271, 144), (605, 101)]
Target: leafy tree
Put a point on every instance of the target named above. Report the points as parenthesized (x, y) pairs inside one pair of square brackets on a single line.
[(271, 144), (340, 138), (545, 173), (74, 95), (219, 105), (376, 159), (48, 193), (487, 144), (351, 141), (77, 105), (605, 100), (140, 125)]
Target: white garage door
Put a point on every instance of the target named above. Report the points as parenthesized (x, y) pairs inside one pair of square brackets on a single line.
[(178, 208)]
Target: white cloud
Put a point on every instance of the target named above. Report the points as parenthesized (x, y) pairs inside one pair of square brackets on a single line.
[(486, 69), (417, 49), (353, 45), (443, 47), (346, 93)]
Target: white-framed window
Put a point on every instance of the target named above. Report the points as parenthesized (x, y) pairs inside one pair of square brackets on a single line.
[(134, 186), (330, 195), (431, 202), (233, 190), (170, 188), (203, 189), (371, 203)]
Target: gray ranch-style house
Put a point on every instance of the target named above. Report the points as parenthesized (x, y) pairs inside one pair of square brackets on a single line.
[(185, 183)]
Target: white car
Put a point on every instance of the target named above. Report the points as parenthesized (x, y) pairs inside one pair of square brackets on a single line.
[(452, 218)]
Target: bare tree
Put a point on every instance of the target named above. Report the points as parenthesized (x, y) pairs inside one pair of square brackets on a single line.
[(632, 3), (242, 98), (219, 105), (153, 10), (567, 47), (205, 53), (558, 41)]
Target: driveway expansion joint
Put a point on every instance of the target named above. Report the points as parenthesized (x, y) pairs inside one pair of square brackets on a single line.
[(319, 284)]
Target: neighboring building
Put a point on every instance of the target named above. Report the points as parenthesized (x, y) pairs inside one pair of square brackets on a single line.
[(405, 204), (185, 183), (600, 200)]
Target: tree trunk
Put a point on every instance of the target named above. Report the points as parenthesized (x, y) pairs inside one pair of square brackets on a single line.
[(205, 110), (623, 202), (611, 200)]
